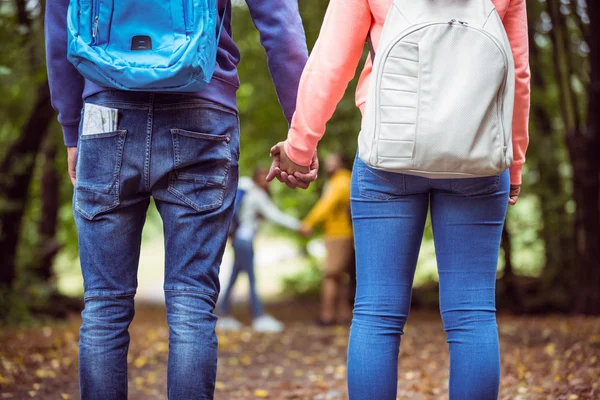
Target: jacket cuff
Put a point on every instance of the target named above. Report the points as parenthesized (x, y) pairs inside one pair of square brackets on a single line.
[(515, 174), (71, 135), (299, 156)]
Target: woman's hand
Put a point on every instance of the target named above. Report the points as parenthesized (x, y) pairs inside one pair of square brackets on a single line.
[(513, 196), (290, 173), (285, 164)]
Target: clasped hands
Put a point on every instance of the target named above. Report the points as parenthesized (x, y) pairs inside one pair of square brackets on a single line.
[(290, 173)]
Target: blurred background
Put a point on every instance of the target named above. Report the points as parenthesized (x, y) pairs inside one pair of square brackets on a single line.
[(549, 264)]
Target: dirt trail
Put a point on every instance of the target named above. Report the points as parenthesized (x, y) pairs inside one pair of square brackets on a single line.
[(553, 357)]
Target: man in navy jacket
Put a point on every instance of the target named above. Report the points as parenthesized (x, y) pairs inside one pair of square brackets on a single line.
[(181, 149)]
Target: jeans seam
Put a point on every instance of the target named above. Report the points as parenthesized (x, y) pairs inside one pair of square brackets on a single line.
[(149, 128), (190, 203), (89, 216), (199, 104), (102, 296), (103, 135), (122, 105), (200, 135), (211, 294)]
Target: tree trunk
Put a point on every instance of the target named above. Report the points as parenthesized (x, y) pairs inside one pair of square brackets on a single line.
[(16, 171), (557, 232), (562, 53), (584, 148), (24, 20), (48, 246)]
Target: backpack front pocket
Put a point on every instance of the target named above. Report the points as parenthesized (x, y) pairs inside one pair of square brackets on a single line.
[(398, 104), (144, 31)]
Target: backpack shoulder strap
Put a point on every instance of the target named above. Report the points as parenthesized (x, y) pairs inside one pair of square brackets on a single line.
[(370, 42), (222, 22), (371, 48)]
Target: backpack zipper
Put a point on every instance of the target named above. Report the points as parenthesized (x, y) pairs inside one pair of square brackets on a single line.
[(96, 10), (418, 27), (95, 30), (502, 91)]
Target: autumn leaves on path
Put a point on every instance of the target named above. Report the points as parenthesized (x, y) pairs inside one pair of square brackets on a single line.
[(553, 357)]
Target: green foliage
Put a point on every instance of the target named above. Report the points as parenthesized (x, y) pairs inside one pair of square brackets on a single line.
[(305, 283), (538, 224)]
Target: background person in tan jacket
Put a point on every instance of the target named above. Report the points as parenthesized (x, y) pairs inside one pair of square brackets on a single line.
[(333, 212)]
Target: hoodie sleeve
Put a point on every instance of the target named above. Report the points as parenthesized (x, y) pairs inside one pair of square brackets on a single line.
[(515, 23), (331, 66), (66, 84), (282, 36)]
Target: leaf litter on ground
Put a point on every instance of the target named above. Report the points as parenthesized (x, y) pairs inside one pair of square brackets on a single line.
[(543, 357)]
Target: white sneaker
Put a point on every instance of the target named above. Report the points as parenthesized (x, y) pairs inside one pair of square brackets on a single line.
[(267, 324), (228, 324)]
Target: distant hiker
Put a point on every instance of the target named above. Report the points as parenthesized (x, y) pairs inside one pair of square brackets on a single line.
[(333, 212), (256, 205)]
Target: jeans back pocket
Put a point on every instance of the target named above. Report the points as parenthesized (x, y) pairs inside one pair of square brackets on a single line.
[(476, 186), (99, 158), (377, 184), (202, 162)]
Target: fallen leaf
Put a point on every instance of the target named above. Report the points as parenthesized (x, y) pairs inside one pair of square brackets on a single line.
[(549, 349)]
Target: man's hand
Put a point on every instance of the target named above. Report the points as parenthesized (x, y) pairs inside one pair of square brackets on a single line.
[(515, 191), (300, 178), (72, 162), (285, 164)]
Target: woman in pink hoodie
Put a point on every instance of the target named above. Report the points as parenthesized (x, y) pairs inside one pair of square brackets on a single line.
[(390, 210)]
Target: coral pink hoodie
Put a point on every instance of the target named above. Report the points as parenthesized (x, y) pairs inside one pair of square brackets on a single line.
[(337, 52)]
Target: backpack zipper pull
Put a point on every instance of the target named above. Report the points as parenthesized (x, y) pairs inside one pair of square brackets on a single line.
[(463, 23), (95, 29), (452, 21)]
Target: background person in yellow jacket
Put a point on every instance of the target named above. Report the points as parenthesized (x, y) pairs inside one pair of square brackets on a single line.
[(333, 211)]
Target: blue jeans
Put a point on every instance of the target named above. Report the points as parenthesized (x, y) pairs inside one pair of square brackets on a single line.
[(389, 212), (243, 261), (183, 152)]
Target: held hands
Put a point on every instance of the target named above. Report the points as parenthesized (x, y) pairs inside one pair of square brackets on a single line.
[(290, 173), (305, 231)]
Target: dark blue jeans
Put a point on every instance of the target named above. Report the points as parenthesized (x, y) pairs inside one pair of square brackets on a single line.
[(183, 152), (389, 212), (243, 262)]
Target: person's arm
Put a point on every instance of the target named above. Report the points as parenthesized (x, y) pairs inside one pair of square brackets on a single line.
[(331, 66), (269, 210), (332, 196), (515, 23), (282, 36), (66, 84)]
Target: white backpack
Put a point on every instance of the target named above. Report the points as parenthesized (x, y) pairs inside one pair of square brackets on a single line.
[(441, 95)]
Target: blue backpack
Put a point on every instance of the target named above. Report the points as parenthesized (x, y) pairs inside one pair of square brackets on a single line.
[(157, 46)]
